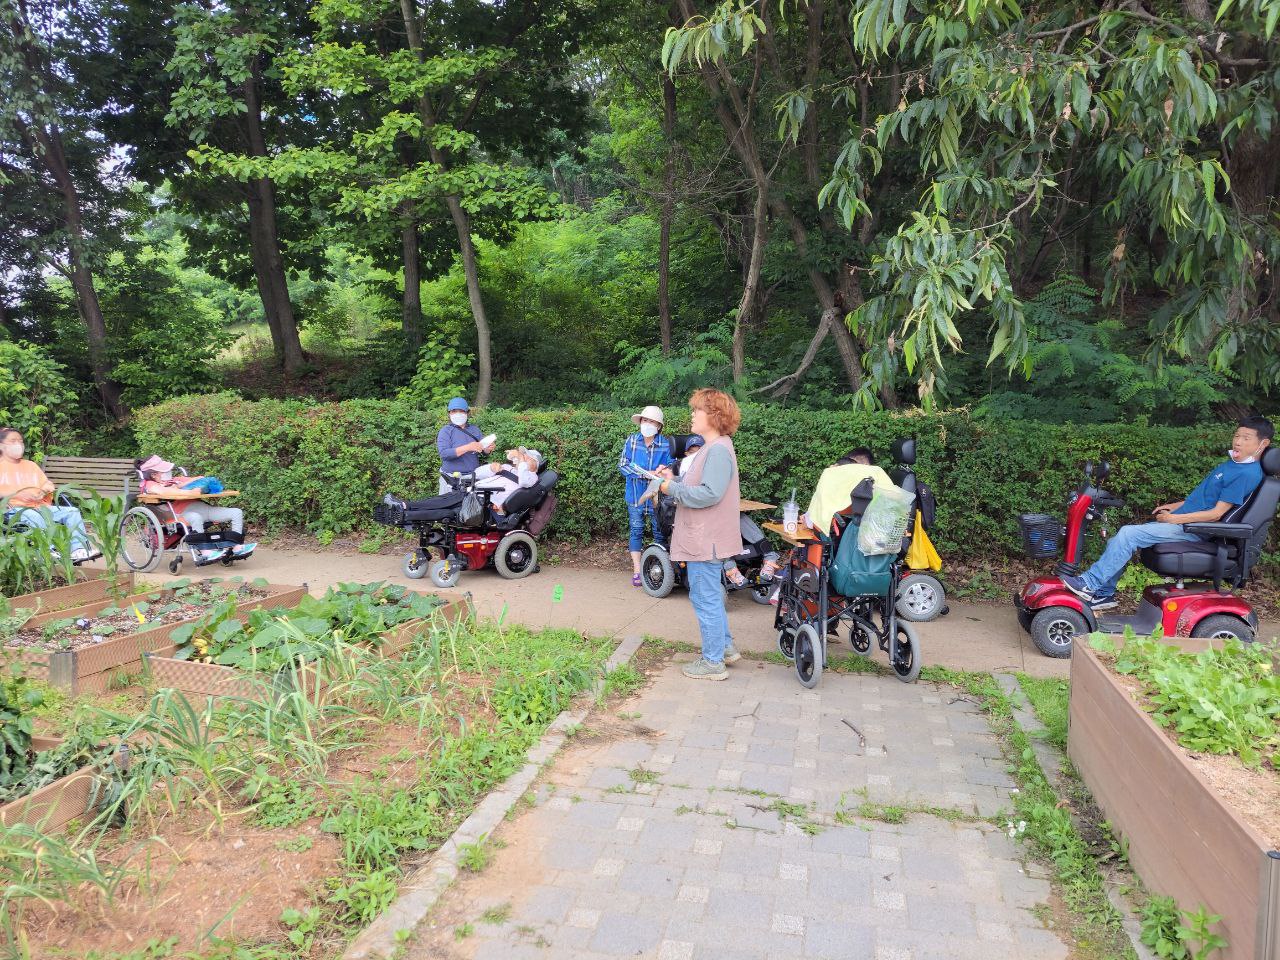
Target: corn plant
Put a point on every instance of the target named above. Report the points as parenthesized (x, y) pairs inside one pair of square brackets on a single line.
[(102, 517)]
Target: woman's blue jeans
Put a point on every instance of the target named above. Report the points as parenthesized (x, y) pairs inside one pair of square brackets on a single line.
[(707, 595), (635, 517)]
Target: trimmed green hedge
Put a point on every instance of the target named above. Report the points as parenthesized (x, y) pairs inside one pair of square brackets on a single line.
[(322, 467)]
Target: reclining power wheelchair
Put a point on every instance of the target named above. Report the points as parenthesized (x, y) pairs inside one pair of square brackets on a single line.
[(507, 540)]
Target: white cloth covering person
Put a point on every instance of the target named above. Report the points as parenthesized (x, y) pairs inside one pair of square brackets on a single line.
[(520, 472)]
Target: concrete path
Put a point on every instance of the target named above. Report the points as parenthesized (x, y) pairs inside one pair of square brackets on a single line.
[(720, 820), (983, 637)]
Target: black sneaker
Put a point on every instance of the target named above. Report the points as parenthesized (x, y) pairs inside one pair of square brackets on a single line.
[(1104, 603)]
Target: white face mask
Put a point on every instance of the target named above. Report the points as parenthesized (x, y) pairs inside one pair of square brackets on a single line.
[(1239, 459), (165, 476), (458, 419), (648, 430), (15, 449)]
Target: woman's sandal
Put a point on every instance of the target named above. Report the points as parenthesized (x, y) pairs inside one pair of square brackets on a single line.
[(635, 580), (736, 578), (768, 571)]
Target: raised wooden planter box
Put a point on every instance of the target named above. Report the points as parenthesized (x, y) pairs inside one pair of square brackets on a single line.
[(89, 590), (216, 680), (1183, 841), (55, 805), (92, 669)]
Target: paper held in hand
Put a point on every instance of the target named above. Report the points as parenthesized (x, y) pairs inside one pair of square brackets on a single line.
[(489, 439)]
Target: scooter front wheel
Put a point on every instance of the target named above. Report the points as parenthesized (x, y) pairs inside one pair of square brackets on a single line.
[(1054, 630)]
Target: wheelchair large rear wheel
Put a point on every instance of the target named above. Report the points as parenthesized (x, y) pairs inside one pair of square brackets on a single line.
[(141, 540), (517, 555), (808, 646), (657, 572), (906, 665)]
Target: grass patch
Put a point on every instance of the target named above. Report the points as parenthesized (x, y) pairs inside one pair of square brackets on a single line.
[(1049, 698)]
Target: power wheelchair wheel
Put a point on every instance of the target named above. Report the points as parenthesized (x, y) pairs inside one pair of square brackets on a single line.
[(920, 598), (445, 573), (415, 565), (1054, 629), (906, 665), (141, 539), (657, 572), (808, 647), (517, 555), (760, 592)]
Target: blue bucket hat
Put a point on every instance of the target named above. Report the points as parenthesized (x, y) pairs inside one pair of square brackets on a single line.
[(457, 403)]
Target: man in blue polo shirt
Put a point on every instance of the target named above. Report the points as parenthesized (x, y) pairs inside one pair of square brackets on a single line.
[(1227, 485), (459, 442)]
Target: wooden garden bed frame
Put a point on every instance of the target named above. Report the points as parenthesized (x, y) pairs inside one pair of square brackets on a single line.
[(1183, 840), (92, 588), (92, 669), (56, 804), (215, 680)]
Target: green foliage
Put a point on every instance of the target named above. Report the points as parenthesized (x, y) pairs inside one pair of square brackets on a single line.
[(322, 467), (1179, 934), (443, 372), (35, 396), (1224, 701), (1050, 699)]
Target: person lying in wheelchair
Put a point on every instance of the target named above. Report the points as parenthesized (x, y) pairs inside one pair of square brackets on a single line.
[(27, 497), (494, 482)]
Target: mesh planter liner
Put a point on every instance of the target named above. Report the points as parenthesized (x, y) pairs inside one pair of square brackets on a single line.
[(1182, 839), (91, 669), (92, 588), (216, 680), (68, 798)]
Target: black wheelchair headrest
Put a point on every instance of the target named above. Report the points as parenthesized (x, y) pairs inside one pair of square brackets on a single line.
[(548, 479), (903, 451), (1270, 461), (679, 444)]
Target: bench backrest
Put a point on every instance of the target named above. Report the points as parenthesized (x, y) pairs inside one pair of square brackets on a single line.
[(105, 476)]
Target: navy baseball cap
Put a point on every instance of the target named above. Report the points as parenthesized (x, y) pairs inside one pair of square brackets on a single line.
[(457, 403)]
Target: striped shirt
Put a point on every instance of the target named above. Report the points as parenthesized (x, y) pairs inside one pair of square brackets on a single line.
[(636, 456)]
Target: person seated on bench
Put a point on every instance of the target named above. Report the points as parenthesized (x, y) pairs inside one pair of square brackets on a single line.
[(519, 472), (1228, 485), (832, 492), (181, 493), (27, 495)]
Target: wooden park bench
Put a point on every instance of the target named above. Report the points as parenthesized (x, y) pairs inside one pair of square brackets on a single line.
[(105, 476)]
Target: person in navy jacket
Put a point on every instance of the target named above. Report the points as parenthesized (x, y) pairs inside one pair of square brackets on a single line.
[(460, 443)]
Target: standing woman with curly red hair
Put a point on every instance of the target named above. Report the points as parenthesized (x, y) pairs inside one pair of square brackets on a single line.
[(707, 530)]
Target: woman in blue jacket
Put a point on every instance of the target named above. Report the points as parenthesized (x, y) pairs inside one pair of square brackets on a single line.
[(648, 450)]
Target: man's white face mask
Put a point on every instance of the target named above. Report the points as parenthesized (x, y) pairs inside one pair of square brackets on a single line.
[(458, 418), (648, 430)]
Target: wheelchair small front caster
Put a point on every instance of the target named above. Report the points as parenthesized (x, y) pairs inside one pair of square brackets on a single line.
[(174, 565)]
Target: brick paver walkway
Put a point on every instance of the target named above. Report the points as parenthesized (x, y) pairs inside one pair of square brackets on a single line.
[(718, 833)]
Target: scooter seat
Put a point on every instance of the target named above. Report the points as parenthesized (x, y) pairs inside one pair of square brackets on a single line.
[(1187, 558)]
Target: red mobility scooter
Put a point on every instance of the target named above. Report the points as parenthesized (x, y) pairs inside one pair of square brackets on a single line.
[(1226, 552)]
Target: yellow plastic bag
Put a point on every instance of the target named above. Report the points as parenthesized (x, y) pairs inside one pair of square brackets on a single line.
[(921, 555)]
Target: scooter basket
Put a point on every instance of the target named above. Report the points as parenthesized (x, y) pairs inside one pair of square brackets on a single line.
[(1041, 535)]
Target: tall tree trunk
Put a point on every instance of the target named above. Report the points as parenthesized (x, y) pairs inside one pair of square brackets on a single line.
[(461, 221), (750, 288), (667, 212), (87, 305), (273, 286), (411, 304)]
